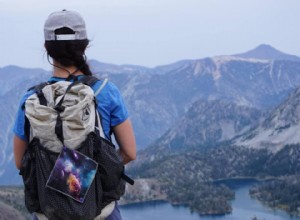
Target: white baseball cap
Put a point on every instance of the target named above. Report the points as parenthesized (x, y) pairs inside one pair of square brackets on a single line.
[(64, 18)]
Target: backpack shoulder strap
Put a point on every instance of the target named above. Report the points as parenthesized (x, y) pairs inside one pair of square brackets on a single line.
[(39, 86), (101, 86), (99, 126), (38, 89), (88, 80), (91, 80)]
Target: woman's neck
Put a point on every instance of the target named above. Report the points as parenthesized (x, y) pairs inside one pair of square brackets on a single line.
[(64, 72)]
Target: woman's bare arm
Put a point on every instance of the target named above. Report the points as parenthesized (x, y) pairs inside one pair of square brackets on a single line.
[(124, 136), (20, 147)]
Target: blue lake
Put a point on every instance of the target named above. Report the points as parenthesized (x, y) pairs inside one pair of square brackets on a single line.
[(244, 208)]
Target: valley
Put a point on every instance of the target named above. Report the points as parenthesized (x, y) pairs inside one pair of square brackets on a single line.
[(196, 121)]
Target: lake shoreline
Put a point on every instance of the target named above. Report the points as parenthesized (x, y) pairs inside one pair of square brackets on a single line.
[(232, 183), (242, 206)]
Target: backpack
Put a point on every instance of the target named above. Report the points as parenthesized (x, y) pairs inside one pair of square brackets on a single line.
[(69, 170)]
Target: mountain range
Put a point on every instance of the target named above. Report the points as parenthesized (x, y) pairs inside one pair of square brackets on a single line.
[(267, 52), (187, 104), (209, 122), (281, 127)]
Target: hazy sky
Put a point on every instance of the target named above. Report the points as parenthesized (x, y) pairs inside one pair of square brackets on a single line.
[(153, 32)]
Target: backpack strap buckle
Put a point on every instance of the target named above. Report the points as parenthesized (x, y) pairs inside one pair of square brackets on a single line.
[(59, 108)]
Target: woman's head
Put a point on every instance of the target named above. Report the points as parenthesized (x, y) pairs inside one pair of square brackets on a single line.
[(66, 39)]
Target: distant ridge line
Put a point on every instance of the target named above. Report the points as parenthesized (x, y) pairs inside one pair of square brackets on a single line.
[(265, 51)]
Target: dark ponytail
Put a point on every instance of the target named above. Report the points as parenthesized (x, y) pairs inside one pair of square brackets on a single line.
[(69, 52)]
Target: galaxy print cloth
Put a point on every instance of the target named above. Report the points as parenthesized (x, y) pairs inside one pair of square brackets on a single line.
[(72, 175)]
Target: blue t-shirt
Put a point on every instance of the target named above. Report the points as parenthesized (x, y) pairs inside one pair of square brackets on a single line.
[(111, 107)]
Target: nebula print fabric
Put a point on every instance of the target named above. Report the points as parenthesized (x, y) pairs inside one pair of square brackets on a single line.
[(72, 175)]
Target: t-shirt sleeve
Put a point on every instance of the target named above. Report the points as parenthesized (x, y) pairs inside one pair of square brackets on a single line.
[(119, 112), (111, 106), (18, 128), (19, 125)]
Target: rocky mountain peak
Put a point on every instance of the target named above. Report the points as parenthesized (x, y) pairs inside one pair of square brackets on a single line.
[(265, 51)]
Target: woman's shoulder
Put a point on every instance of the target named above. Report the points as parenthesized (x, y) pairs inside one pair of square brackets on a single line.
[(110, 96), (25, 96), (106, 87)]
